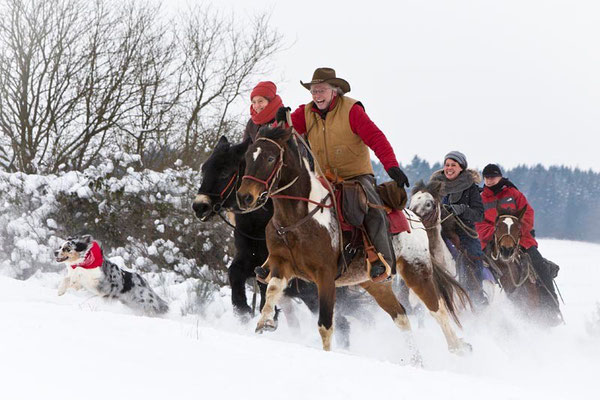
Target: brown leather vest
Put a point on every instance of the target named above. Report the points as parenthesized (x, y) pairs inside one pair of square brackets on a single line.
[(335, 146)]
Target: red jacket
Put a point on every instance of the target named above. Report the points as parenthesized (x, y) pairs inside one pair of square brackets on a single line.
[(508, 197), (361, 124)]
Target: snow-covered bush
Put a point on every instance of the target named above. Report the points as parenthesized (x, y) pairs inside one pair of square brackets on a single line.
[(142, 216)]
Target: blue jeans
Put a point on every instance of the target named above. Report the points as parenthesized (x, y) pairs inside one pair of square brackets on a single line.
[(471, 271)]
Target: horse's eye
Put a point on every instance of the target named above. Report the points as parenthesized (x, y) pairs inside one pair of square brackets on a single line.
[(271, 159)]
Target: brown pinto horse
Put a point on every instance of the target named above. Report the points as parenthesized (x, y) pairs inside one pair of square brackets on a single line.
[(303, 239), (517, 277)]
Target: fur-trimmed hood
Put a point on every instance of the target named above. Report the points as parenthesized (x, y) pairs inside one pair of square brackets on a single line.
[(464, 181)]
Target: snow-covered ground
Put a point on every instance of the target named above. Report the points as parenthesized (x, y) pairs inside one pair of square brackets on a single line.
[(83, 347)]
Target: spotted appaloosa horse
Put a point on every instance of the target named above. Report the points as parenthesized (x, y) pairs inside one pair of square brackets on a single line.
[(517, 274), (220, 175), (425, 201), (303, 241)]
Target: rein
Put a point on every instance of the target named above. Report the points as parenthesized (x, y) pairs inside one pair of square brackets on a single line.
[(472, 233), (428, 219), (236, 229)]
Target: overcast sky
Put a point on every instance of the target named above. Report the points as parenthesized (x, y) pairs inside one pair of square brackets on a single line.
[(511, 81)]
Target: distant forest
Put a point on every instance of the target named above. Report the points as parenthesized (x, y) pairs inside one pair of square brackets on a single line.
[(566, 200)]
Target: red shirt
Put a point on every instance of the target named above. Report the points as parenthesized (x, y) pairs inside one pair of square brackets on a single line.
[(361, 125)]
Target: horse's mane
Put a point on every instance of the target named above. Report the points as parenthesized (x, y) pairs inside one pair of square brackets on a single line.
[(272, 132), (433, 188)]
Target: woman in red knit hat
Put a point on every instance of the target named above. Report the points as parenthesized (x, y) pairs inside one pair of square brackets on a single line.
[(265, 103)]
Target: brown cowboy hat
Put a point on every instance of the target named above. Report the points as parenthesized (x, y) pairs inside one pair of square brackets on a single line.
[(327, 75)]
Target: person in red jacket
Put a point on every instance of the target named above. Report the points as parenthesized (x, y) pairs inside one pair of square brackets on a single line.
[(340, 134), (500, 190)]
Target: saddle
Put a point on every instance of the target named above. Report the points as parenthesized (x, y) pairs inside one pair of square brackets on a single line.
[(352, 201), (353, 208)]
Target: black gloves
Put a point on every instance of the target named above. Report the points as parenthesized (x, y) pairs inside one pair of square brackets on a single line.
[(458, 209), (396, 174), (281, 115)]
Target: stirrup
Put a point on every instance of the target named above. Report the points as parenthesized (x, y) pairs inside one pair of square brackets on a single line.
[(387, 275)]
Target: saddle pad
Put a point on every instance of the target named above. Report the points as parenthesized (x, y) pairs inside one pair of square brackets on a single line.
[(398, 222), (397, 219)]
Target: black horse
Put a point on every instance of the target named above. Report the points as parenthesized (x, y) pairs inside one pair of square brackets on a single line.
[(220, 175)]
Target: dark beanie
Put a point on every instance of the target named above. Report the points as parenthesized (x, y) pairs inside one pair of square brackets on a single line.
[(459, 157), (491, 171), (265, 89)]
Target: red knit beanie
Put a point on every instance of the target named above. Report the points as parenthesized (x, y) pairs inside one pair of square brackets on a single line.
[(266, 89)]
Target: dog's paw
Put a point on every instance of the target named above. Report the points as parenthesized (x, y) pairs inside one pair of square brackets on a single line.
[(61, 291)]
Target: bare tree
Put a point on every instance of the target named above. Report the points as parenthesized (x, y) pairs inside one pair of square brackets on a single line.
[(37, 63), (219, 60), (78, 77)]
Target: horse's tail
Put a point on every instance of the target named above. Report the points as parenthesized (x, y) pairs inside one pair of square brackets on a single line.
[(451, 292)]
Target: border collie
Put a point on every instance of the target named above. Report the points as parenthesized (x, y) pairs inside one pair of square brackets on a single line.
[(87, 267)]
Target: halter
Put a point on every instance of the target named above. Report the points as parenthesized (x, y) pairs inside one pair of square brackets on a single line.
[(222, 199), (270, 181), (497, 240)]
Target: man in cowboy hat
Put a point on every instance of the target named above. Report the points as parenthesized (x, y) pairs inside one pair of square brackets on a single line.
[(340, 134)]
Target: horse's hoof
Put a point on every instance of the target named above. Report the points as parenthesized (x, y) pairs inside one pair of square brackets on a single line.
[(463, 348), (266, 326)]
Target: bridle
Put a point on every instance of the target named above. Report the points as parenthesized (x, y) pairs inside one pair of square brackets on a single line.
[(270, 181), (229, 189), (497, 239)]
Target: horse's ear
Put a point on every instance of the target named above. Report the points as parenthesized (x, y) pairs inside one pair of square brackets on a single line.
[(435, 188), (521, 212), (222, 143)]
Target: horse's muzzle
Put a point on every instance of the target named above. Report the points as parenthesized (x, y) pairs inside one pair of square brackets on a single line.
[(506, 252), (245, 200), (202, 208)]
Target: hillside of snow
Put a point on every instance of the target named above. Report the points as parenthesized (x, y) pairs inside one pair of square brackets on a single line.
[(82, 347)]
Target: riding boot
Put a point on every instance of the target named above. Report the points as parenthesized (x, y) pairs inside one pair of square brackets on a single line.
[(377, 227), (539, 265)]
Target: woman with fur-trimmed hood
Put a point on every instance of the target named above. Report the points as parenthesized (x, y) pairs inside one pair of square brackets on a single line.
[(460, 193)]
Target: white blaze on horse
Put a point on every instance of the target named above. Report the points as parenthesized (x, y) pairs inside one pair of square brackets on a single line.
[(303, 241)]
